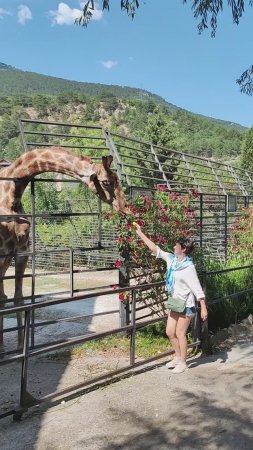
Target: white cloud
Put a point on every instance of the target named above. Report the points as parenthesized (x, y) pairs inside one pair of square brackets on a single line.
[(109, 64), (65, 15), (24, 14), (3, 13)]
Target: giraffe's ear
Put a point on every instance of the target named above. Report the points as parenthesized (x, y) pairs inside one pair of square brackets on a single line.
[(107, 161)]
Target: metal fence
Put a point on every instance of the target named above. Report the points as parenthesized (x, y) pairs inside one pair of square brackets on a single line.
[(26, 400), (142, 167)]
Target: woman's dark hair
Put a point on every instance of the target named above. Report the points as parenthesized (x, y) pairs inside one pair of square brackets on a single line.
[(186, 243)]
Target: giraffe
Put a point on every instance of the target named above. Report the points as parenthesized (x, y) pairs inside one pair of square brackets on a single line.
[(14, 229)]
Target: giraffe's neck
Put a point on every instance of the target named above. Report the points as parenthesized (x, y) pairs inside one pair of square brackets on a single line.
[(54, 159)]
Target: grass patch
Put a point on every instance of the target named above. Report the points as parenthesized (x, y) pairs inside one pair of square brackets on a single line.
[(149, 341), (145, 346)]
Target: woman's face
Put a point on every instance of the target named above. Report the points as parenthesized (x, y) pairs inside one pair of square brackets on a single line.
[(179, 250)]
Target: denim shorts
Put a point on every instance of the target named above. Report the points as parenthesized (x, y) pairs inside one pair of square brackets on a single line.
[(189, 311)]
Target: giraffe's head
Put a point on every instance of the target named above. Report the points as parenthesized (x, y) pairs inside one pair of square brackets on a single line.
[(105, 183)]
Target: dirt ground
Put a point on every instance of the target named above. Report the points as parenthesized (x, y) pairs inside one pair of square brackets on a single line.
[(207, 407)]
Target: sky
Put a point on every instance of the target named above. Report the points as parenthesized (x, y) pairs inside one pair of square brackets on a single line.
[(160, 51)]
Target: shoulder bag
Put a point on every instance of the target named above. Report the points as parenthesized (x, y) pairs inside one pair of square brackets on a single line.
[(176, 304)]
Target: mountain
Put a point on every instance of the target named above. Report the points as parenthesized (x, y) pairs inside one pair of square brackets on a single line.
[(129, 111), (15, 82), (7, 67)]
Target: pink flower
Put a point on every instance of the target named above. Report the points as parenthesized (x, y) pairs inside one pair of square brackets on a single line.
[(117, 263), (121, 296), (115, 286), (162, 187), (195, 194)]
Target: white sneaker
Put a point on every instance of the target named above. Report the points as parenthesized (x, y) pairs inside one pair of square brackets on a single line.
[(173, 363), (180, 368)]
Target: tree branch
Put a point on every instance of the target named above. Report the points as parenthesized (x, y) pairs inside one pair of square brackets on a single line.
[(130, 6), (246, 81)]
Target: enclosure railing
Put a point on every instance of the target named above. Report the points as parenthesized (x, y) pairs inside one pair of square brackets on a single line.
[(26, 400), (140, 163), (142, 166)]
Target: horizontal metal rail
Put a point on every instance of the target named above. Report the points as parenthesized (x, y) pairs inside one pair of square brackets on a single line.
[(43, 133), (27, 353), (45, 144), (74, 125)]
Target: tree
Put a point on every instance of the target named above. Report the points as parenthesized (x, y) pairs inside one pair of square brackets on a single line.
[(161, 131), (247, 151), (205, 10)]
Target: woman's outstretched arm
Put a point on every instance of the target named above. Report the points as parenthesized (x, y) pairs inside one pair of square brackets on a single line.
[(151, 245)]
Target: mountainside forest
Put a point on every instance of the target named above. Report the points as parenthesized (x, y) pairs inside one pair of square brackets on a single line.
[(128, 111)]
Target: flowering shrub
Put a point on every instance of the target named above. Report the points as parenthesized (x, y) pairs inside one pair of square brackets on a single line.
[(241, 237), (240, 251), (164, 218)]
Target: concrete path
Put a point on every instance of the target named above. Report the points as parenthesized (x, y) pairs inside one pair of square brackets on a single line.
[(209, 407)]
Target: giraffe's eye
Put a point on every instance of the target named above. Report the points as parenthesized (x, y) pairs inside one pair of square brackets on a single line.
[(107, 183)]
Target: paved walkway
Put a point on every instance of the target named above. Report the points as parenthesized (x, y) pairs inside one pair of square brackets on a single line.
[(208, 407)]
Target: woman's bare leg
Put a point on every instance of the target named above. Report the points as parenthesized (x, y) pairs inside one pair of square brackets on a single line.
[(182, 326), (171, 332)]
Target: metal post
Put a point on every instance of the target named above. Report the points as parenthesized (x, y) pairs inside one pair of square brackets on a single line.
[(226, 227), (196, 323), (133, 331), (99, 223), (26, 399), (22, 135), (124, 313), (205, 339), (33, 238), (201, 220), (71, 272), (196, 327)]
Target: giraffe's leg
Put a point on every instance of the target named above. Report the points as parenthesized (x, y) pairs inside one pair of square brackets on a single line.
[(20, 266), (4, 264)]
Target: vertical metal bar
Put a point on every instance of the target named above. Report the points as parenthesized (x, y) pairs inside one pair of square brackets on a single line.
[(33, 239), (196, 325), (71, 272), (226, 227), (99, 223), (124, 313), (22, 135), (130, 193), (133, 330), (201, 220), (246, 201), (205, 339), (24, 371)]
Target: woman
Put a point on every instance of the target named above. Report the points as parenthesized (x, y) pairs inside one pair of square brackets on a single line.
[(182, 283)]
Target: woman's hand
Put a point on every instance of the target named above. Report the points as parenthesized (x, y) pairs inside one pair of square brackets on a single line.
[(151, 245), (203, 312), (137, 227)]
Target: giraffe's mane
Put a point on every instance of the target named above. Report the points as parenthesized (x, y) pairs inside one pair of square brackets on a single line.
[(4, 171), (65, 150)]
